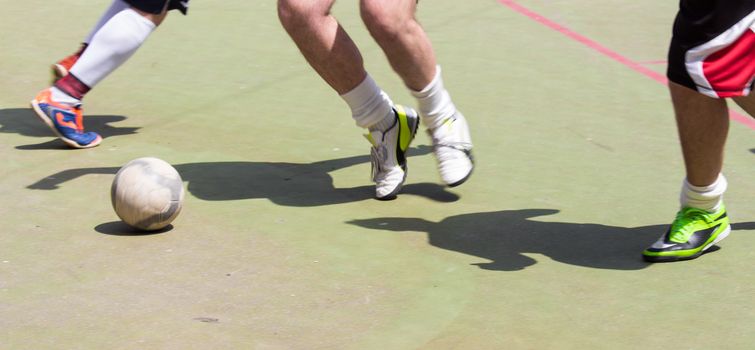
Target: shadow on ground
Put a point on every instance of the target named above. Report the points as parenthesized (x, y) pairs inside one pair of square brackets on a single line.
[(24, 121), (290, 184), (119, 228), (503, 236)]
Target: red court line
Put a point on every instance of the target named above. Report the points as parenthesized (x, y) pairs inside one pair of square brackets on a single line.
[(637, 67)]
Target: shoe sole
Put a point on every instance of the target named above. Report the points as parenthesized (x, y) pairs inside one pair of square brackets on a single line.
[(672, 258), (38, 111), (465, 178), (393, 195), (58, 72)]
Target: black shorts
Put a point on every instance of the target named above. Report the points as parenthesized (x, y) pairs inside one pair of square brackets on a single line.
[(157, 6), (713, 47)]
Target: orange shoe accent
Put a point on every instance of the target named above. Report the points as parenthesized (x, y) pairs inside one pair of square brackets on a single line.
[(59, 118), (69, 61), (62, 67), (46, 97), (69, 131)]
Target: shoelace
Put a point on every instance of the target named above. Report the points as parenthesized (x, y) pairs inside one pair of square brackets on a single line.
[(377, 156), (684, 223), (441, 148)]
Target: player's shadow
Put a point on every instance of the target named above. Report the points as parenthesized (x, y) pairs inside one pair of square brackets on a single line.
[(503, 237), (24, 121), (290, 184)]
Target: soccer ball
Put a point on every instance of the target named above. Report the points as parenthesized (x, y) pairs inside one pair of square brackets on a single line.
[(147, 193)]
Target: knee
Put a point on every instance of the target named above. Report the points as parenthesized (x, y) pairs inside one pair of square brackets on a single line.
[(385, 23), (294, 13), (158, 19)]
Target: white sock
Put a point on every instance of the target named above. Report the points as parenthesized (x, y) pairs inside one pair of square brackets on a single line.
[(709, 198), (111, 46), (115, 7), (434, 102), (61, 97), (370, 106)]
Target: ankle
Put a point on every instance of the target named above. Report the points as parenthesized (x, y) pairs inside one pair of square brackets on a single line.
[(384, 124), (708, 198), (73, 87), (62, 97)]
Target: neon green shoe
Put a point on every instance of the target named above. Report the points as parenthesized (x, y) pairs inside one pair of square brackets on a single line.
[(693, 232)]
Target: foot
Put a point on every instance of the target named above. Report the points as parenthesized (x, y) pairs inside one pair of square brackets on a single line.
[(62, 67), (388, 152), (452, 146), (693, 232), (65, 121)]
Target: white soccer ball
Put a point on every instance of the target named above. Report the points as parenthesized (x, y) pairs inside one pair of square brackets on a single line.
[(147, 193)]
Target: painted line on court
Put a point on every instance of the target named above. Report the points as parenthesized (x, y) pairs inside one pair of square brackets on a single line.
[(635, 66)]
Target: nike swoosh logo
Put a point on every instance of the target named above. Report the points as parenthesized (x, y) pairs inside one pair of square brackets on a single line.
[(707, 232)]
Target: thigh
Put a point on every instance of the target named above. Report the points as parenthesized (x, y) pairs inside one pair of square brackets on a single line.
[(398, 9), (305, 8)]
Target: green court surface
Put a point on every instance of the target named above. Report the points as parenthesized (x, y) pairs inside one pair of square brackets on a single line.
[(280, 244)]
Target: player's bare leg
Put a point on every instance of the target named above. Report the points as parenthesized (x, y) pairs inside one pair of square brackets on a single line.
[(747, 103), (703, 125), (335, 57), (393, 24), (702, 73), (323, 42), (702, 221)]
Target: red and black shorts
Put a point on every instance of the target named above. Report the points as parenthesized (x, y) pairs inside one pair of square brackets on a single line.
[(157, 6), (713, 47)]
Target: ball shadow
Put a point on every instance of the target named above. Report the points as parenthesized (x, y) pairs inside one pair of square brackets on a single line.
[(289, 184), (119, 228)]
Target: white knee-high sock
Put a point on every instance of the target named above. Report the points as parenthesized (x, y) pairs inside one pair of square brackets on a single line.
[(111, 46), (709, 198), (434, 102), (115, 7), (370, 106)]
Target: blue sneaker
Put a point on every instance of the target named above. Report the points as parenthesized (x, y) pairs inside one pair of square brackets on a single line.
[(65, 121)]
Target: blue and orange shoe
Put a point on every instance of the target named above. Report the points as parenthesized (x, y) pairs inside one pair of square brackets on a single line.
[(67, 122)]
